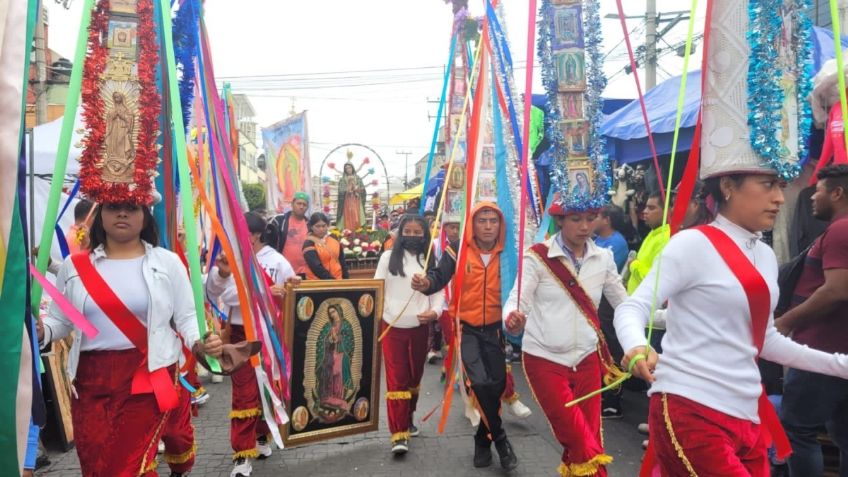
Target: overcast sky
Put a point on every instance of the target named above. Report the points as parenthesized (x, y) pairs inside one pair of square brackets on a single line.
[(408, 40)]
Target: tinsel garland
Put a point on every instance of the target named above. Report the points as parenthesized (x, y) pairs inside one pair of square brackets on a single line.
[(94, 111), (595, 83), (765, 95), (185, 49)]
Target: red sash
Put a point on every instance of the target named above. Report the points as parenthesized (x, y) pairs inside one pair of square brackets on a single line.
[(159, 382), (571, 285), (759, 303)]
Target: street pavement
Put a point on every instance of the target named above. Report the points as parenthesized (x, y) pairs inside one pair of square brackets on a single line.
[(431, 454)]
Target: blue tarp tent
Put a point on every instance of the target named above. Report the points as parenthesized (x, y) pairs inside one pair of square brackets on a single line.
[(625, 129)]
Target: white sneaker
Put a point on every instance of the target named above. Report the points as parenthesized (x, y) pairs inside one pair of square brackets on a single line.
[(643, 428), (265, 450), (201, 371), (200, 399), (519, 410), (241, 468), (160, 448), (217, 378)]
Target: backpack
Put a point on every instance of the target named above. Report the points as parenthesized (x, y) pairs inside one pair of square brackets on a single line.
[(787, 279)]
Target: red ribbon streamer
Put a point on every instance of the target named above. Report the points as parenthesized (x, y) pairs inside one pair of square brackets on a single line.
[(525, 154)]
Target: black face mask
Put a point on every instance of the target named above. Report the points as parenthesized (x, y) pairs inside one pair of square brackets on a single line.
[(413, 244)]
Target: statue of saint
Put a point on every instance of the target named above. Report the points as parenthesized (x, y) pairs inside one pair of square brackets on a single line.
[(120, 151), (351, 200)]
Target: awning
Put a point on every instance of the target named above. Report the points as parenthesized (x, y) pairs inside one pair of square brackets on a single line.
[(409, 194)]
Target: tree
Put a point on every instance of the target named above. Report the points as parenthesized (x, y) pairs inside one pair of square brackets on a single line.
[(255, 196)]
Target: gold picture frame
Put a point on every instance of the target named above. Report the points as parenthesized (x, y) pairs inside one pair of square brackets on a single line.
[(331, 331)]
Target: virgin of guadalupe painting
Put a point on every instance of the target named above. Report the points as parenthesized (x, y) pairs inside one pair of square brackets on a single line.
[(567, 27), (571, 74), (335, 358)]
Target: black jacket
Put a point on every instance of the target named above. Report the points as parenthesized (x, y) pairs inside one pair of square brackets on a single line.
[(279, 231), (440, 275)]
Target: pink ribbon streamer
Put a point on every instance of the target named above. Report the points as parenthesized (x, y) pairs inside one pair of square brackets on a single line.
[(641, 96), (67, 308), (525, 154)]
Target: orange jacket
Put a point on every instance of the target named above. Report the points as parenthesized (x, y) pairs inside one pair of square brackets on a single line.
[(478, 299)]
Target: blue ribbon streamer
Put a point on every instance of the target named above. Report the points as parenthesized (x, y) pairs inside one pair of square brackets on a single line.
[(188, 386), (435, 140), (60, 235)]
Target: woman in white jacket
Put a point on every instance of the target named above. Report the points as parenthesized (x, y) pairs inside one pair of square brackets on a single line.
[(565, 354), (138, 296), (409, 313)]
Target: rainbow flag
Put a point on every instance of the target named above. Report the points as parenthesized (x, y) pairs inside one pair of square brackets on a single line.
[(17, 22)]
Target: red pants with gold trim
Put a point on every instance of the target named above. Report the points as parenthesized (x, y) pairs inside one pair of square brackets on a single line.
[(577, 428), (246, 422), (689, 437), (116, 433), (404, 354), (180, 448)]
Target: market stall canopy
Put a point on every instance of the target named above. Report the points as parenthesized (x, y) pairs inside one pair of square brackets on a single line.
[(625, 128), (46, 144), (409, 194)]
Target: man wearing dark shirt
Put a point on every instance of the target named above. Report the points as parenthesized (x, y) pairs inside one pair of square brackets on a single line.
[(819, 319)]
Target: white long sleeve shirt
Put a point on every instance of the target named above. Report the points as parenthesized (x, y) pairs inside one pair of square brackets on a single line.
[(398, 292), (708, 351), (225, 293), (556, 329)]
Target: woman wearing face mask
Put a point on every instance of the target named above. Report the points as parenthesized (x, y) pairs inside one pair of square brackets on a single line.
[(322, 252), (131, 291), (409, 313)]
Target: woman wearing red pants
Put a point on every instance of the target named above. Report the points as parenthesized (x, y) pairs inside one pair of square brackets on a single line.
[(125, 377), (409, 313), (565, 354)]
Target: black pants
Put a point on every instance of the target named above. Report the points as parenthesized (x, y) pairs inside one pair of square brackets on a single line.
[(484, 361)]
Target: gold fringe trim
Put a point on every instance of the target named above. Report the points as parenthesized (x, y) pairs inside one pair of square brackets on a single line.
[(511, 399), (199, 391), (247, 454), (674, 440), (415, 389), (182, 458), (591, 467), (399, 436), (245, 413), (398, 395), (150, 467), (562, 470), (613, 374), (508, 367)]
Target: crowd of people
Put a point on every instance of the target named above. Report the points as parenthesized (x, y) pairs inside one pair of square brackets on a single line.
[(580, 313)]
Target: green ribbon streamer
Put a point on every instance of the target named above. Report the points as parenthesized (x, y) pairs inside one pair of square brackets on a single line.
[(840, 66), (189, 220), (61, 164)]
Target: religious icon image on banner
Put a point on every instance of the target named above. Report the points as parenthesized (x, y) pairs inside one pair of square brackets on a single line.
[(123, 39), (454, 202), (487, 187), (335, 358), (571, 105), (571, 72), (118, 157), (123, 6), (487, 158), (580, 180), (576, 135), (568, 27)]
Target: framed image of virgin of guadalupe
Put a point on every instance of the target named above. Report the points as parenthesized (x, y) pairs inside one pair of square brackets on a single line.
[(331, 332)]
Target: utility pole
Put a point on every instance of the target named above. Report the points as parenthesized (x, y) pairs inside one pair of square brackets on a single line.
[(40, 86), (651, 44), (405, 155)]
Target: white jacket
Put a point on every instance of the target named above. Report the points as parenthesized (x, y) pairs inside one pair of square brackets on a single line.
[(170, 300), (556, 329)]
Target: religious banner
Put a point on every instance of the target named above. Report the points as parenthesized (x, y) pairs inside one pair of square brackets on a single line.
[(121, 103), (331, 329), (287, 153)]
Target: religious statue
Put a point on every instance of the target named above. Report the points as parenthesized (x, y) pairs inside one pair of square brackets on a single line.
[(351, 204), (334, 356), (120, 150)]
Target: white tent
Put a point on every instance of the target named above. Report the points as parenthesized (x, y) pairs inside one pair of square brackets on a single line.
[(46, 144), (38, 195)]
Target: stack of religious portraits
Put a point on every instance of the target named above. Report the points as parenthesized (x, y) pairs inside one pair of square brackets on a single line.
[(331, 332)]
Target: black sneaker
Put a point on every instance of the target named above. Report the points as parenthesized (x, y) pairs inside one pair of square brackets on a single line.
[(509, 461), (400, 447), (177, 474), (482, 455), (611, 412), (413, 431)]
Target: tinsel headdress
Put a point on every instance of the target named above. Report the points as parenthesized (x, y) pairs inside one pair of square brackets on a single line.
[(569, 48), (756, 117)]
